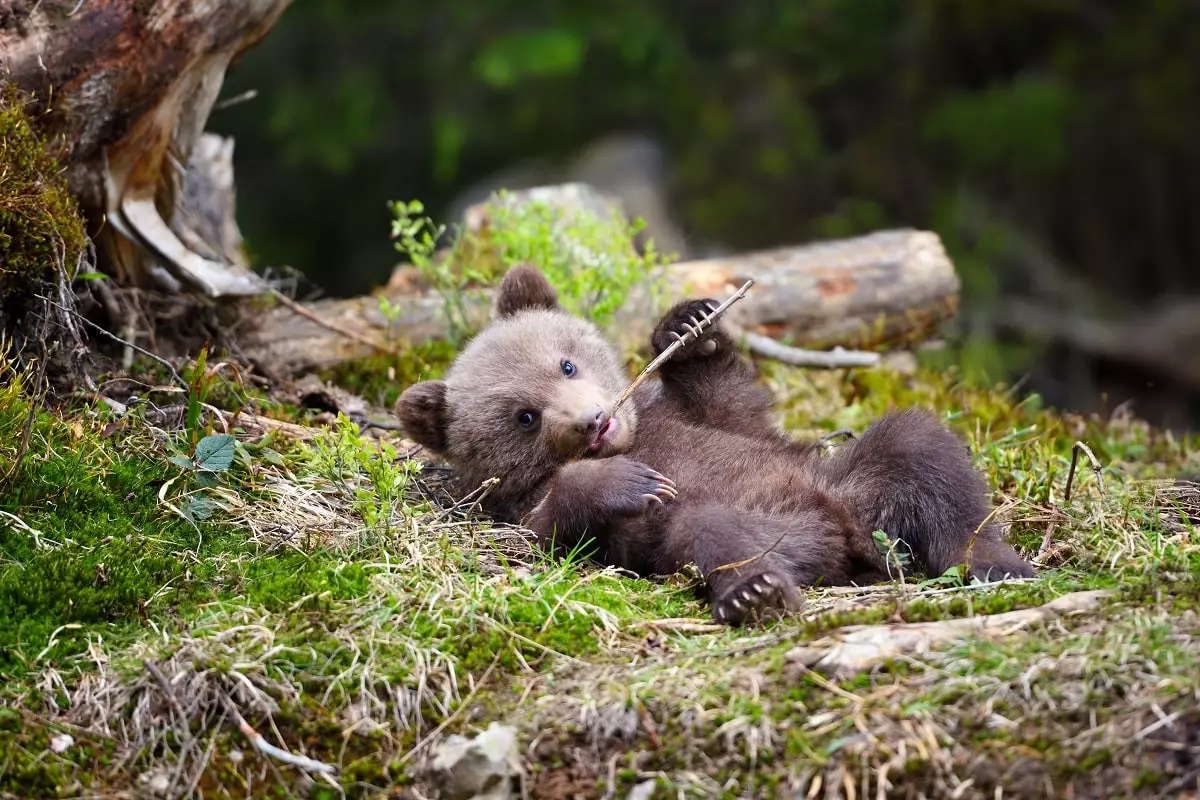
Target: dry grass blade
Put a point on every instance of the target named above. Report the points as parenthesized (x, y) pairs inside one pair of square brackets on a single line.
[(1096, 468), (1056, 514)]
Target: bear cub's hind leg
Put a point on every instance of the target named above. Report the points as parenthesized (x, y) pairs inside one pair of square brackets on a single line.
[(752, 562), (761, 594), (911, 477)]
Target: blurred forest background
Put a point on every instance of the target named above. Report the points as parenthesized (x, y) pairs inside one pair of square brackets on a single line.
[(1053, 144)]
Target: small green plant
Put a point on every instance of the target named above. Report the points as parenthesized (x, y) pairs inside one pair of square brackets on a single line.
[(391, 313), (591, 260), (344, 456), (893, 553), (202, 455), (213, 455), (416, 235)]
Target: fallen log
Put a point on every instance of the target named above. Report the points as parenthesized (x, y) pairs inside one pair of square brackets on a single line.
[(862, 292), (125, 88)]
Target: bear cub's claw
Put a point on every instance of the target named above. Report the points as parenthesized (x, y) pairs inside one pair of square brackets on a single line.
[(761, 596), (630, 487), (685, 320)]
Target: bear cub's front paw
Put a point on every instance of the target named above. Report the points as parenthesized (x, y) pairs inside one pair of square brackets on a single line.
[(684, 320), (765, 594), (628, 487)]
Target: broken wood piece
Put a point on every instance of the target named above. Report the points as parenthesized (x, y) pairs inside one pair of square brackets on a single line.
[(837, 358), (855, 649)]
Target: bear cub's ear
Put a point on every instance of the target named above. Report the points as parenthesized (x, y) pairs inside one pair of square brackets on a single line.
[(422, 413), (524, 287)]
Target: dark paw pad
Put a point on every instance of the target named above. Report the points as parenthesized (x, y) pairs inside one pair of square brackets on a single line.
[(765, 595), (691, 322)]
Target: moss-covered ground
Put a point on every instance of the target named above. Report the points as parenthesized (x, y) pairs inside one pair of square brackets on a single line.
[(351, 611)]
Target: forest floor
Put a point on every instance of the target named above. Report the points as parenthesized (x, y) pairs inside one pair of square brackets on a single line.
[(162, 583)]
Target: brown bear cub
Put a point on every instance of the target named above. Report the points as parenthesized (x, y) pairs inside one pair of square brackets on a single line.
[(692, 469)]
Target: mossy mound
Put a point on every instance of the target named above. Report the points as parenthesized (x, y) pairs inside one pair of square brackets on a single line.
[(41, 228)]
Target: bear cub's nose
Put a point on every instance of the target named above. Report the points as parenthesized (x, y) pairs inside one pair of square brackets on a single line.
[(590, 423)]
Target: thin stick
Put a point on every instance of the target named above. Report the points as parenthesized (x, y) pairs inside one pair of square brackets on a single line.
[(142, 350), (1048, 538), (686, 339), (249, 94), (837, 358), (300, 310), (167, 691), (1096, 468), (1057, 513), (266, 748)]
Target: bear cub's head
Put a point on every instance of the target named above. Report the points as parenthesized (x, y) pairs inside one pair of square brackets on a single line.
[(532, 390)]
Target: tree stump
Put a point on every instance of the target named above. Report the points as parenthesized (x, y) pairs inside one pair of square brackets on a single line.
[(127, 87)]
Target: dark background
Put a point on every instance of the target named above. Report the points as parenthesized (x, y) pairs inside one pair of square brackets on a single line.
[(1054, 145)]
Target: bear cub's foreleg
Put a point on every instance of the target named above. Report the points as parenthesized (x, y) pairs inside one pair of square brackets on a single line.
[(707, 380), (586, 498)]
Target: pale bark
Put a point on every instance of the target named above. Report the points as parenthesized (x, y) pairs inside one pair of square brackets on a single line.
[(855, 293)]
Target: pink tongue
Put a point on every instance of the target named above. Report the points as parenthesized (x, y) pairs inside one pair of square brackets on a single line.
[(608, 426)]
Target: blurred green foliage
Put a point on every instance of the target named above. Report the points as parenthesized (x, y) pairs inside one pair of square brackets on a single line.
[(1068, 126)]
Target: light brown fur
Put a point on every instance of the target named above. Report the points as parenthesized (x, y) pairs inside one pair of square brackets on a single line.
[(695, 471)]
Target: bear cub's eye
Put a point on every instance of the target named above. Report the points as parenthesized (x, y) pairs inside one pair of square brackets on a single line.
[(568, 368), (527, 418)]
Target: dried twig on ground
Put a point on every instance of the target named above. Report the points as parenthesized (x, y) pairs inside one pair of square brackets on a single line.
[(268, 749), (837, 358), (854, 649), (154, 357), (300, 310)]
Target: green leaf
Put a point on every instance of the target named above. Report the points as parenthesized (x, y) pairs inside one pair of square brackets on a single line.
[(206, 480), (183, 462), (549, 53), (198, 508), (215, 452)]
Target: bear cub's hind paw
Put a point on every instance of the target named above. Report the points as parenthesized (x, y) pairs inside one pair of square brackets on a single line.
[(766, 594), (686, 319)]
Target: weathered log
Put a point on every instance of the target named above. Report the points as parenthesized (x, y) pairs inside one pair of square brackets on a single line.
[(861, 292), (128, 86)]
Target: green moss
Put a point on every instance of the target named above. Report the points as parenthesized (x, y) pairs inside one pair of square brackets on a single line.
[(83, 540), (40, 224), (86, 547), (381, 379)]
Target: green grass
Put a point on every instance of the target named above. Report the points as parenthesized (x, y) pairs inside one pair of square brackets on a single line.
[(347, 617)]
